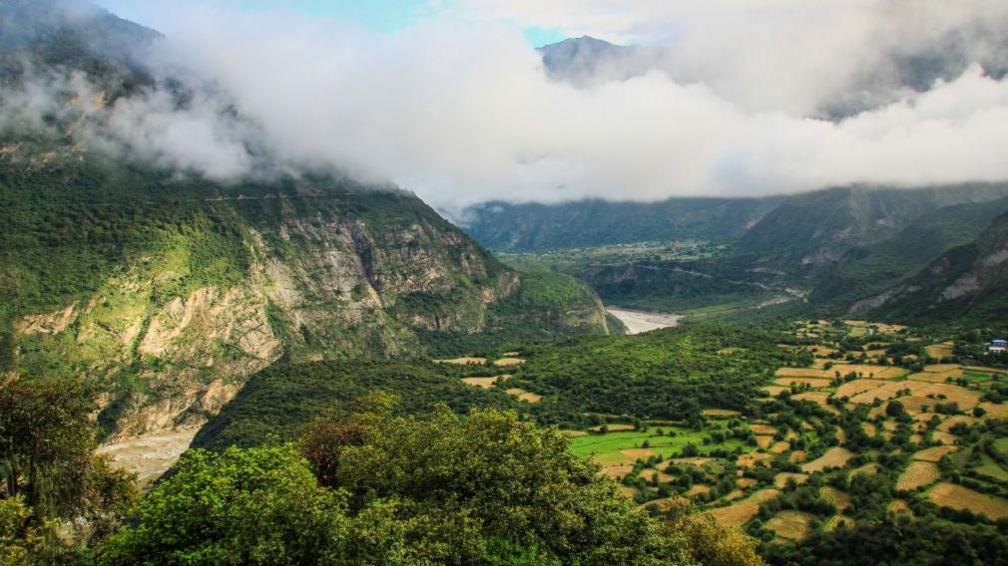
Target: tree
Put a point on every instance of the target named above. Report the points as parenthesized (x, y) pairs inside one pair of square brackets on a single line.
[(709, 543), (509, 478), (254, 506), (46, 440), (56, 498), (370, 488), (23, 541), (895, 409)]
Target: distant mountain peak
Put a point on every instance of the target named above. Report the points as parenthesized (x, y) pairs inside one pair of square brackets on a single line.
[(583, 40), (587, 60)]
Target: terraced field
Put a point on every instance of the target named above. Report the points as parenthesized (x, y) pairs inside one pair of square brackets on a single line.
[(835, 457), (917, 475), (778, 463), (791, 525), (742, 512), (959, 497)]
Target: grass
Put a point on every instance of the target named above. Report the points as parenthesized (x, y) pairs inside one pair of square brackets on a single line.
[(1001, 445), (607, 447), (992, 469)]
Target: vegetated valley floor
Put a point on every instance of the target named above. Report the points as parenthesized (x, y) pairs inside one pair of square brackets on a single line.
[(873, 421), (790, 431)]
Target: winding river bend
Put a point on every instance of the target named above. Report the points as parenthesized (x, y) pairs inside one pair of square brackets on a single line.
[(638, 322)]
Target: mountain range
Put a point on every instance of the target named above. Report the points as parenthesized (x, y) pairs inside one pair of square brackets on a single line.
[(839, 246)]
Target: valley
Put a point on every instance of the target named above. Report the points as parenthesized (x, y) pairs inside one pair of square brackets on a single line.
[(846, 251), (231, 333), (800, 433), (852, 423)]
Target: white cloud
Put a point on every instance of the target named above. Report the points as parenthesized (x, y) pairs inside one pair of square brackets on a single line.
[(460, 110), (791, 55), (198, 136)]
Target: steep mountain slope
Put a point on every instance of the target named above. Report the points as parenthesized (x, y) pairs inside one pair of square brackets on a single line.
[(73, 34), (169, 295), (531, 226), (166, 290), (867, 270), (968, 281), (817, 228)]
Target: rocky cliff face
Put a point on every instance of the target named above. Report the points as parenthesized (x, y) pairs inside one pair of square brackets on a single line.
[(170, 331)]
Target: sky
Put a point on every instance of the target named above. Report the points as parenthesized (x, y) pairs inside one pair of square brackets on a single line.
[(448, 98), (385, 16)]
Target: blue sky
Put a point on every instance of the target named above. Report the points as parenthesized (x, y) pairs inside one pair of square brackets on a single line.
[(380, 15)]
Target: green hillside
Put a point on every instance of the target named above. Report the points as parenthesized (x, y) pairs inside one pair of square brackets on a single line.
[(865, 271), (967, 283)]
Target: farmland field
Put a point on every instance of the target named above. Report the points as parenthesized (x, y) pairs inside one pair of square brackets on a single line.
[(792, 525), (918, 474), (481, 382), (738, 513), (836, 457), (801, 443), (933, 454), (958, 497), (838, 499), (834, 522), (612, 446), (939, 351), (523, 395)]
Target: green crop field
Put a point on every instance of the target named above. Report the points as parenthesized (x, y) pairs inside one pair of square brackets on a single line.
[(607, 447)]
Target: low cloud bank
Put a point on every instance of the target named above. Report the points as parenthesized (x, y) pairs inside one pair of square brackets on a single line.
[(460, 110)]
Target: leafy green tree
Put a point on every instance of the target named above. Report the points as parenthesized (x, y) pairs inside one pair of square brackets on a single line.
[(895, 409), (255, 506), (46, 440), (26, 541), (372, 488), (57, 500), (516, 482)]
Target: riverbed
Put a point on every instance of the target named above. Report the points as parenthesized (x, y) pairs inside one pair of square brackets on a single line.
[(638, 322)]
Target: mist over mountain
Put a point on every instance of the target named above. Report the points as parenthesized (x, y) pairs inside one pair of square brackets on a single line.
[(150, 242), (70, 32), (588, 62), (464, 112)]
